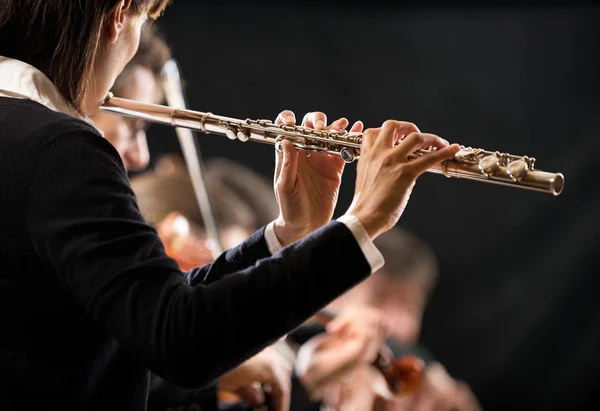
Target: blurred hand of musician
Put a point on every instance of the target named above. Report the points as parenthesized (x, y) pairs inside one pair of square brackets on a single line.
[(307, 187), (385, 176), (268, 368), (357, 391), (352, 341), (364, 324)]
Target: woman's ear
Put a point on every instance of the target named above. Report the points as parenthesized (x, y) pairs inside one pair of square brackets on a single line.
[(115, 21)]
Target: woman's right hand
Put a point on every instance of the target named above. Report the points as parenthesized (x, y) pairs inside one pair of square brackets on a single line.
[(385, 176)]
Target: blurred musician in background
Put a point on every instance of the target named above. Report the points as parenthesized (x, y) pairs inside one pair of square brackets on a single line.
[(336, 371), (236, 200)]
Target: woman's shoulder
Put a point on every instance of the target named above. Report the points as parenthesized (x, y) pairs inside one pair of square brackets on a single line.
[(33, 136), (29, 129), (22, 118)]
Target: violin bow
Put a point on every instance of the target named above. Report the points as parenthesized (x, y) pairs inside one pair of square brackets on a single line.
[(173, 90)]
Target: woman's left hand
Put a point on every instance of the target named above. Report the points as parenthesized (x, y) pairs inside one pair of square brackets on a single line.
[(307, 187)]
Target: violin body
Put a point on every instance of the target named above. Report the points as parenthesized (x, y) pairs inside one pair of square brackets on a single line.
[(404, 374), (183, 243)]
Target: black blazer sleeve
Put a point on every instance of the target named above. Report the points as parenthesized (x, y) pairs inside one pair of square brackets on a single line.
[(238, 258), (85, 227)]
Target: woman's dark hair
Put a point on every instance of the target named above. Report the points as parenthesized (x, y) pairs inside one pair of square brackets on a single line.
[(61, 37)]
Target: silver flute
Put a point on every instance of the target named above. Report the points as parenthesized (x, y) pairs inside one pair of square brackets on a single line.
[(468, 163)]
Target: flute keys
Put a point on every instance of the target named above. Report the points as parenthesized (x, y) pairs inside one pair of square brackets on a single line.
[(347, 155), (278, 143), (464, 152), (231, 134), (234, 134), (489, 164), (518, 169)]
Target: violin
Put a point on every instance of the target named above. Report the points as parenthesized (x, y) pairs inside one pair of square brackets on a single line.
[(182, 242)]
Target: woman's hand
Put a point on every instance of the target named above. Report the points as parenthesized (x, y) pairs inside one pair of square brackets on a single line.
[(306, 187), (385, 176), (268, 368)]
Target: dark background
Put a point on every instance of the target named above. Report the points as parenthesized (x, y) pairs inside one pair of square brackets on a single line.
[(516, 313)]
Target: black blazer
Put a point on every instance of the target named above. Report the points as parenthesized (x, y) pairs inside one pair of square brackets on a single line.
[(89, 300)]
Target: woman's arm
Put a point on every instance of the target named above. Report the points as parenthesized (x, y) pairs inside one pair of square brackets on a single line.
[(85, 226)]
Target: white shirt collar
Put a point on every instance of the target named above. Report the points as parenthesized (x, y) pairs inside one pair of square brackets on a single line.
[(21, 80)]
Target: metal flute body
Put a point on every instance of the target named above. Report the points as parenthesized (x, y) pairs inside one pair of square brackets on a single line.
[(469, 163)]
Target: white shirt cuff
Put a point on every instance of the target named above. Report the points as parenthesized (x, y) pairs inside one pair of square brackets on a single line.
[(372, 254), (271, 239)]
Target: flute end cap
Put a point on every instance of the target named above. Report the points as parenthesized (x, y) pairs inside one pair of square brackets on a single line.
[(558, 184)]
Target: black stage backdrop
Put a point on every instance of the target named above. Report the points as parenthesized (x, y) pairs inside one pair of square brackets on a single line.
[(516, 313)]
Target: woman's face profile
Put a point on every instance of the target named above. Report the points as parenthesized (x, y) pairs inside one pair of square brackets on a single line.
[(128, 135), (119, 41)]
